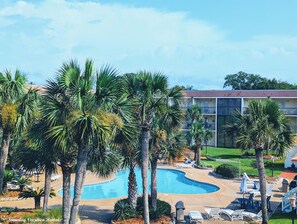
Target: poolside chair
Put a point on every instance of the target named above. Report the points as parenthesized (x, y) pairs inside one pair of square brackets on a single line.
[(253, 216), (257, 192), (250, 182), (185, 165), (195, 216), (55, 177), (213, 213), (259, 204), (233, 214), (246, 202)]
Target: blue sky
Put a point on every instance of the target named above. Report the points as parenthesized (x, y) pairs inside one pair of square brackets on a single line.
[(193, 42)]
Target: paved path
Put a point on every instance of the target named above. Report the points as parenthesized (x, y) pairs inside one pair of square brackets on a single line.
[(288, 174)]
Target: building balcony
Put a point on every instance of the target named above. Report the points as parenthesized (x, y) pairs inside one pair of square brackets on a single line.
[(286, 110), (289, 111), (208, 110)]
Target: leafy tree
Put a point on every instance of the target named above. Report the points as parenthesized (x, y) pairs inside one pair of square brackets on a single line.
[(168, 120), (149, 90), (22, 182), (245, 81), (17, 109), (263, 121), (8, 177), (196, 132), (207, 136), (36, 194), (79, 116)]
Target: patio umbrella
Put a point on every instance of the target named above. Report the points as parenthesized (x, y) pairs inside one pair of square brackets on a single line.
[(243, 185)]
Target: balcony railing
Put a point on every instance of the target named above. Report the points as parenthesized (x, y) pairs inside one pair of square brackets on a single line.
[(289, 111), (210, 126), (286, 110), (208, 110)]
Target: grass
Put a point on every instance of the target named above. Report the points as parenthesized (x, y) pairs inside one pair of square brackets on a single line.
[(55, 213), (243, 163), (283, 218)]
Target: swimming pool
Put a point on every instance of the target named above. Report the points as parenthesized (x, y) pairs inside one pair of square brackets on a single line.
[(169, 181)]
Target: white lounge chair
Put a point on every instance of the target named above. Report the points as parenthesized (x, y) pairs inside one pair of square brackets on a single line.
[(213, 213), (185, 165), (258, 193), (253, 216), (11, 186), (233, 214), (195, 216), (55, 177)]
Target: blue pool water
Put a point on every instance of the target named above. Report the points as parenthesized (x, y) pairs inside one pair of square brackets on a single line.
[(168, 181)]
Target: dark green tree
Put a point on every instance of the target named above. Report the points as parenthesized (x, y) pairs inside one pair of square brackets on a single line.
[(246, 81)]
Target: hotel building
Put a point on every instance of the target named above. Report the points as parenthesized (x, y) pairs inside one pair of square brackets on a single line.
[(217, 107)]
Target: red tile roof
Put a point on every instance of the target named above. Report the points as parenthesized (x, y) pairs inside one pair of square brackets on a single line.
[(241, 93)]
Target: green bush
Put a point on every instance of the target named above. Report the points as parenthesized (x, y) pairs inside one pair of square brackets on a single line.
[(123, 210), (227, 170), (267, 164), (253, 164), (163, 208)]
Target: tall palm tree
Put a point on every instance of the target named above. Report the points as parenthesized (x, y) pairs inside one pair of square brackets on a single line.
[(17, 109), (79, 115), (255, 130), (169, 119), (128, 143), (197, 130), (149, 90), (207, 136)]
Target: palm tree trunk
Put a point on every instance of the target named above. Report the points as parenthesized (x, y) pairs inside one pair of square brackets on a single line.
[(66, 170), (3, 155), (37, 202), (132, 187), (144, 172), (154, 194), (262, 180), (47, 188), (198, 161), (82, 161)]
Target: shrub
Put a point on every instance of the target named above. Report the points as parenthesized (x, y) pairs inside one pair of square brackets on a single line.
[(227, 170), (123, 210), (267, 164), (163, 208), (253, 163)]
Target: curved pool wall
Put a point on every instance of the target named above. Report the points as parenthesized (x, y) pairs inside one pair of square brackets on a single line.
[(168, 181)]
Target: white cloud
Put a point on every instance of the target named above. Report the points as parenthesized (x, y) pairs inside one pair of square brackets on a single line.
[(133, 39)]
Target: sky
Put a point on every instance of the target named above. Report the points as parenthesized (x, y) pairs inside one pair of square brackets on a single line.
[(194, 43)]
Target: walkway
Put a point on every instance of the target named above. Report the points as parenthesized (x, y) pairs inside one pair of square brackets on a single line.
[(288, 174)]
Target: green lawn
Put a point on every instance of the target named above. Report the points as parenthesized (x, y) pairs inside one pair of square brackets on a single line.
[(283, 218), (243, 163)]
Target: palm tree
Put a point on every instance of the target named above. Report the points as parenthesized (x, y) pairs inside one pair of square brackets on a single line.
[(255, 130), (79, 116), (8, 177), (197, 130), (17, 108), (22, 182), (36, 194), (169, 119), (149, 90), (207, 136), (127, 141)]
